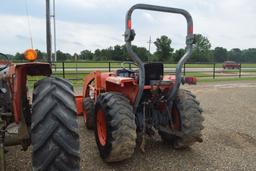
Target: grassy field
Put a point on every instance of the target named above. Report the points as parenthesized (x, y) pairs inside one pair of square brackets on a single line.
[(118, 64), (79, 83), (77, 78), (205, 76), (100, 64)]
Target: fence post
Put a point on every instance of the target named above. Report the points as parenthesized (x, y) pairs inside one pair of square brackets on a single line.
[(213, 71), (240, 70), (63, 69), (109, 67), (184, 69)]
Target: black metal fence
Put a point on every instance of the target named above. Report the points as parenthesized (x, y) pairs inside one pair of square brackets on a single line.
[(75, 71)]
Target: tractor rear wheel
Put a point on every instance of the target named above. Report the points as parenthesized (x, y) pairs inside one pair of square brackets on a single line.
[(115, 128), (88, 112), (187, 121), (54, 128)]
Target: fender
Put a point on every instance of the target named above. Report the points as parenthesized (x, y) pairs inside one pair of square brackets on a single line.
[(87, 81), (17, 81), (99, 81)]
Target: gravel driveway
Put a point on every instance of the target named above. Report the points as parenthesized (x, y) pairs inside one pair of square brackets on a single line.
[(229, 137)]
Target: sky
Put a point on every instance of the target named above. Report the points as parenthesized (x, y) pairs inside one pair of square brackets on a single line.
[(93, 24)]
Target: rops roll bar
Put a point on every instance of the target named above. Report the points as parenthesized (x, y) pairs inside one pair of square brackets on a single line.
[(130, 35)]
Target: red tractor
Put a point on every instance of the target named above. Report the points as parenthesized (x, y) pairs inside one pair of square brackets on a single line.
[(47, 122), (125, 105)]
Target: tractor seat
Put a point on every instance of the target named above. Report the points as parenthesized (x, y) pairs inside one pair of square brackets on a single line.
[(153, 71)]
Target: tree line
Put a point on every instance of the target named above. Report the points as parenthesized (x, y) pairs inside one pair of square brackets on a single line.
[(202, 52)]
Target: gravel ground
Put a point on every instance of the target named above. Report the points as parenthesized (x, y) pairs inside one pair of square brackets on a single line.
[(229, 137)]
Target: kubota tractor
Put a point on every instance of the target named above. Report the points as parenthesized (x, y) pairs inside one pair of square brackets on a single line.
[(126, 105), (47, 122)]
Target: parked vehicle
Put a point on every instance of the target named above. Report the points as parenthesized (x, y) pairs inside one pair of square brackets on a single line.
[(231, 65)]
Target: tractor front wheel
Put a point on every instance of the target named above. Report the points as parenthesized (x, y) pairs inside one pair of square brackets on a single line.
[(88, 112), (54, 128), (115, 128), (187, 121)]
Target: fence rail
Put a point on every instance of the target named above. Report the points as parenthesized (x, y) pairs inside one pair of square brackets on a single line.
[(75, 71)]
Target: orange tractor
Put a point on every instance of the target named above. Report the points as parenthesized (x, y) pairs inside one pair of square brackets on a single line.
[(47, 122), (124, 106)]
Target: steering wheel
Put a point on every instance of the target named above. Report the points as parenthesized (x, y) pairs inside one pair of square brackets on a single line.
[(4, 61), (128, 62)]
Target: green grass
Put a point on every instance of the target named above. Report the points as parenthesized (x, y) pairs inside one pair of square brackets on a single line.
[(202, 79), (118, 64), (89, 65), (197, 74), (77, 78), (248, 65)]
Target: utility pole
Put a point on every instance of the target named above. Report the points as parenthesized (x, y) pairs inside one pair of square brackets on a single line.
[(149, 44), (54, 31), (48, 32)]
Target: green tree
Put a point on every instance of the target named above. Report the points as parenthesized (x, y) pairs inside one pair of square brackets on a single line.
[(18, 56), (10, 57), (39, 54), (86, 55), (235, 54), (69, 57), (97, 55), (163, 48), (178, 54), (220, 54), (201, 51), (249, 55), (42, 56), (142, 53), (61, 55), (107, 54), (117, 53)]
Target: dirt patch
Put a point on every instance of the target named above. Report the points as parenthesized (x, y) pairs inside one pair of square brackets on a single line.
[(236, 140)]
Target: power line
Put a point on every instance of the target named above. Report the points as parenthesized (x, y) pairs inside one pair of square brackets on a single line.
[(29, 24)]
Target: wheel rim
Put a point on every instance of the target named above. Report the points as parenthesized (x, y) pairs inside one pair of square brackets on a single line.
[(175, 117), (101, 128)]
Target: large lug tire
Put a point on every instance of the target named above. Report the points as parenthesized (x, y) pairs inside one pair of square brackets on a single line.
[(54, 128), (188, 119), (88, 112), (115, 128)]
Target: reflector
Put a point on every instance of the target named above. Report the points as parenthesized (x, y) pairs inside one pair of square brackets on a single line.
[(30, 55), (129, 24)]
